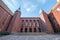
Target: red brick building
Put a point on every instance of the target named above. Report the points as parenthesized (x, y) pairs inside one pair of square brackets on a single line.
[(54, 17), (15, 23), (5, 16)]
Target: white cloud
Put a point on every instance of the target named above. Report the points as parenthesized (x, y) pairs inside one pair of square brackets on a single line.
[(28, 9), (11, 4), (41, 1), (58, 0), (28, 6), (8, 4), (31, 8)]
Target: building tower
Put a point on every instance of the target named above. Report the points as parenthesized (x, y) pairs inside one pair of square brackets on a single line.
[(15, 22)]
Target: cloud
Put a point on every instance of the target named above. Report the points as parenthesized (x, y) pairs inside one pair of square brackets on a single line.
[(41, 1), (28, 9), (13, 2), (8, 4), (28, 6), (31, 8)]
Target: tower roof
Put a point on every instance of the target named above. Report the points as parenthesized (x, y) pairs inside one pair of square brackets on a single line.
[(18, 11), (41, 11)]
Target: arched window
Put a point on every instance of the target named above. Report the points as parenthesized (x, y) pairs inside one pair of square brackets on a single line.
[(35, 30), (39, 29), (21, 30), (26, 20), (30, 29), (25, 29), (22, 20)]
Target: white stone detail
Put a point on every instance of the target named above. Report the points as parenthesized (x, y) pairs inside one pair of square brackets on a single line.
[(58, 9)]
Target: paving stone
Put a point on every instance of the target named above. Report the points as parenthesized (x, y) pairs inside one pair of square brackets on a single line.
[(31, 37)]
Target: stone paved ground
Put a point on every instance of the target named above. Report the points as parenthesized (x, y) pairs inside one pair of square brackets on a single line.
[(31, 37)]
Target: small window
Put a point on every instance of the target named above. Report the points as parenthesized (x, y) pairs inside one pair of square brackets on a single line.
[(34, 20), (22, 20), (26, 20), (37, 20), (30, 20), (25, 29), (30, 29), (3, 21)]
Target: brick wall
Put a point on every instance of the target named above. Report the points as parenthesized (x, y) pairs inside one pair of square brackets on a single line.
[(45, 19), (4, 19)]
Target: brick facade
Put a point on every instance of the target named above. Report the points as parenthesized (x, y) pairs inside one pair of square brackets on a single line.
[(15, 23), (5, 17), (45, 19)]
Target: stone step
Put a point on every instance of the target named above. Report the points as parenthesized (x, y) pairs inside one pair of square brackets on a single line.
[(29, 33)]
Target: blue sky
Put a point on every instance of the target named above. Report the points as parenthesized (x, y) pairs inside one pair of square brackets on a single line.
[(30, 8)]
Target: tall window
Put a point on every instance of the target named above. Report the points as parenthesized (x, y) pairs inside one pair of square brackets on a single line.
[(25, 29), (39, 29), (30, 29), (21, 30), (35, 30)]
